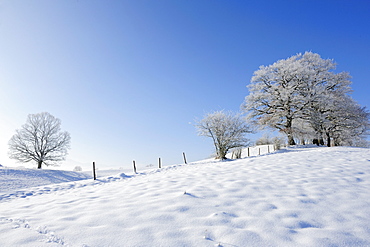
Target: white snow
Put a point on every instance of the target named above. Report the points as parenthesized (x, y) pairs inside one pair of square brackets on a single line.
[(294, 197), (13, 179)]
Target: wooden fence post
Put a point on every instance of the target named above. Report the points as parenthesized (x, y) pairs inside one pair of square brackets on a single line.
[(159, 163), (259, 151), (268, 149), (94, 173), (183, 154), (134, 166), (248, 151)]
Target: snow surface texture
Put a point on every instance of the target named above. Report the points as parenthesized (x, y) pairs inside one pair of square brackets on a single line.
[(295, 197), (12, 179)]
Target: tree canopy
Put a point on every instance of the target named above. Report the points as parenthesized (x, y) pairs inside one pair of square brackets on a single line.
[(40, 140), (303, 96)]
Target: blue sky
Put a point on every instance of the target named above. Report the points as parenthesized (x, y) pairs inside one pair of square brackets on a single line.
[(128, 78)]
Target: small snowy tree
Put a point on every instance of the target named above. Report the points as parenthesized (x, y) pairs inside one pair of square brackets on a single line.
[(226, 129), (40, 140)]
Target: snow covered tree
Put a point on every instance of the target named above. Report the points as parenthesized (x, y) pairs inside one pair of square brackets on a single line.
[(347, 122), (294, 89), (226, 129), (40, 140), (323, 90)]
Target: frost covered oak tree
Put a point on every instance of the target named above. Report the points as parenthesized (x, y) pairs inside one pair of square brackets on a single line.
[(274, 100), (300, 91), (226, 129), (40, 140)]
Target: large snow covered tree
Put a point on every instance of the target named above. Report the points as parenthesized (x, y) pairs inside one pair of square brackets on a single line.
[(226, 129), (292, 90), (40, 140), (322, 92)]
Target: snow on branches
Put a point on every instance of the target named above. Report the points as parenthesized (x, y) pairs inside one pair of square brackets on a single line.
[(302, 96), (226, 129)]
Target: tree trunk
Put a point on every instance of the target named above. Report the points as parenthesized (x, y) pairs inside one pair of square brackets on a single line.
[(221, 155), (290, 131), (321, 141), (316, 141), (291, 140), (328, 142), (221, 151), (39, 163), (336, 142)]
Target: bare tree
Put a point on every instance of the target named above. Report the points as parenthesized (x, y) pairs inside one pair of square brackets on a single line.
[(40, 140), (226, 129)]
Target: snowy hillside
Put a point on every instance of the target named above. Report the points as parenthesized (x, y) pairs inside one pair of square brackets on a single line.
[(295, 197), (12, 179)]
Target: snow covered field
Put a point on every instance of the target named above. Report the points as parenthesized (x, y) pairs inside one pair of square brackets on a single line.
[(13, 179), (295, 197)]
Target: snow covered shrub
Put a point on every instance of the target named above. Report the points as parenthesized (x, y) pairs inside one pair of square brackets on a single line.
[(77, 169), (264, 140), (236, 153), (226, 129), (278, 142)]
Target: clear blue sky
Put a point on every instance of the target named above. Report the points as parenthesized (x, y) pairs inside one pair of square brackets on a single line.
[(128, 78)]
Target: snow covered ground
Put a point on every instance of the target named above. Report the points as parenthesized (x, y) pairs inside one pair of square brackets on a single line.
[(295, 197), (13, 179)]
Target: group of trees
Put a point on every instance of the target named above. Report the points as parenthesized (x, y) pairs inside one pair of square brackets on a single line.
[(300, 96), (303, 98)]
